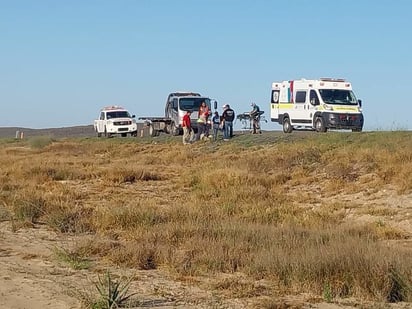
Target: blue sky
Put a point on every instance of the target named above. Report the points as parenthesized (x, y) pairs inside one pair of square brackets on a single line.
[(61, 61)]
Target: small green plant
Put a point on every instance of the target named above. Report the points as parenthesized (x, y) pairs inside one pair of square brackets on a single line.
[(4, 214), (113, 293), (400, 287), (73, 259), (40, 142), (327, 292), (29, 210)]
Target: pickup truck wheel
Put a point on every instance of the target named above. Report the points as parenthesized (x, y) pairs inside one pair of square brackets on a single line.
[(108, 135), (98, 134)]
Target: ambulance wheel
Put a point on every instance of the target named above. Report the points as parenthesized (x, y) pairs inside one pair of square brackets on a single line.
[(287, 127), (320, 125)]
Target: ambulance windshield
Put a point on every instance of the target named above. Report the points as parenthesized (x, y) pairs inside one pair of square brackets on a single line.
[(338, 96)]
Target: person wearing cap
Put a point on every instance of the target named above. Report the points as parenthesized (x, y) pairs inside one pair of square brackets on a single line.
[(228, 116), (255, 117)]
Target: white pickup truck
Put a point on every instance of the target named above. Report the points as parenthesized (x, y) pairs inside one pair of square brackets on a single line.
[(115, 120)]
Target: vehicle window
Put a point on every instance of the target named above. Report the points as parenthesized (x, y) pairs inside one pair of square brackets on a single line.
[(118, 114), (174, 104), (313, 97), (192, 104), (300, 97), (275, 96), (101, 116), (338, 96)]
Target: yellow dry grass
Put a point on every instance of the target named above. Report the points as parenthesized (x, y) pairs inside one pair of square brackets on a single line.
[(283, 208)]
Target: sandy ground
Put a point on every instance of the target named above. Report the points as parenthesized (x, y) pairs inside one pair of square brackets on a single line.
[(32, 277)]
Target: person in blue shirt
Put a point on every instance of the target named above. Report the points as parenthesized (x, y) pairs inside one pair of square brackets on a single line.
[(215, 125)]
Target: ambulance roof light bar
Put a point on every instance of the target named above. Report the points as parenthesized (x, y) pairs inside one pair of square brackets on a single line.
[(327, 79)]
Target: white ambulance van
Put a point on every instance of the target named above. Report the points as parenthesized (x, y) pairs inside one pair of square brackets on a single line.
[(319, 105)]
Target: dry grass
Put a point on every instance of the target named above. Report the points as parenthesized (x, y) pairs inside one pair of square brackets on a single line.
[(274, 208)]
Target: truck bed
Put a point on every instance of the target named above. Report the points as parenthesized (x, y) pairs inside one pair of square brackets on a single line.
[(156, 119)]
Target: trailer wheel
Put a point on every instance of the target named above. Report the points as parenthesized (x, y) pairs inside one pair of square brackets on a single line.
[(320, 125), (357, 130), (287, 127), (174, 130), (153, 132), (167, 128)]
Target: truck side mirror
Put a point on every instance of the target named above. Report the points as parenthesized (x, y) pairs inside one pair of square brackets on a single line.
[(360, 103), (215, 104)]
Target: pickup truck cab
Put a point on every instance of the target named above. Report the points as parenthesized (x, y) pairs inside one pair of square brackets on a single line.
[(115, 120)]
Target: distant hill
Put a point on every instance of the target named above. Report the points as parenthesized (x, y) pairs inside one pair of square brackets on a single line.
[(76, 131)]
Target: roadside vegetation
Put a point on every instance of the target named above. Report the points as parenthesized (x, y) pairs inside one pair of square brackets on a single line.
[(261, 216)]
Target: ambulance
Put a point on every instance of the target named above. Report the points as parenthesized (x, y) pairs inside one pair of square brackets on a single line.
[(319, 105)]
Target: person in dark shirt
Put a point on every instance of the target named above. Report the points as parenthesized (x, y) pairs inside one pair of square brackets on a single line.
[(255, 117), (228, 116)]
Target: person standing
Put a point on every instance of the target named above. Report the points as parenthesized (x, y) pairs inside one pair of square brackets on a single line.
[(216, 125), (201, 128), (187, 128), (255, 116), (228, 116), (204, 111)]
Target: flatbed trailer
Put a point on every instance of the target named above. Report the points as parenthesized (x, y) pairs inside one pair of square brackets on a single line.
[(157, 125)]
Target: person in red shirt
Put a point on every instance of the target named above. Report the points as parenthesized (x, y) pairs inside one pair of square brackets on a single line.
[(187, 128)]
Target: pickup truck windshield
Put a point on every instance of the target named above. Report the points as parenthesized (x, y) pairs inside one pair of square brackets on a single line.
[(192, 104), (338, 96), (118, 114)]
